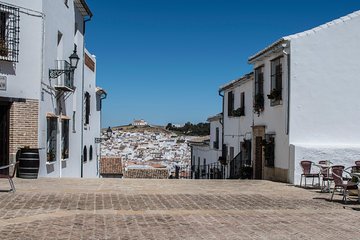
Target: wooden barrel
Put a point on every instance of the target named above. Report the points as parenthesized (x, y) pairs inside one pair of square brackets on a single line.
[(28, 163)]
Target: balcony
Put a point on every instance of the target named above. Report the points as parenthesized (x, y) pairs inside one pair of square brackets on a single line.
[(64, 76)]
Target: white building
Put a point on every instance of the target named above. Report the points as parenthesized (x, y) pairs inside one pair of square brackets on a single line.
[(205, 152), (45, 103), (238, 118), (140, 122), (312, 80)]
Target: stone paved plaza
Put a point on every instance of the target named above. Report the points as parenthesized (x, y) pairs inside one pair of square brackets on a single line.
[(172, 209)]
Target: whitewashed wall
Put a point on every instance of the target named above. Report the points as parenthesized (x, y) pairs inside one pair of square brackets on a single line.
[(325, 70), (215, 153), (232, 134), (23, 78), (325, 109), (338, 154), (236, 129), (275, 117), (93, 131), (61, 18)]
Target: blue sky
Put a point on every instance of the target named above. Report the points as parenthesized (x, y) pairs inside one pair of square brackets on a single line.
[(164, 60)]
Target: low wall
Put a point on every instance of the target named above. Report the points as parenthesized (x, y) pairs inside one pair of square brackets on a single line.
[(147, 173), (111, 167), (339, 155)]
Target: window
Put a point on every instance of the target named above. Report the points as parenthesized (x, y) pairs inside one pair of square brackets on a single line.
[(65, 138), (246, 152), (242, 104), (87, 108), (269, 150), (259, 90), (216, 143), (231, 153), (51, 139), (9, 33), (85, 154), (230, 103), (91, 153), (73, 122), (276, 82)]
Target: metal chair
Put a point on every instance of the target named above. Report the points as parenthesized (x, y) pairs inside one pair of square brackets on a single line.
[(325, 174), (10, 176), (337, 173), (306, 167)]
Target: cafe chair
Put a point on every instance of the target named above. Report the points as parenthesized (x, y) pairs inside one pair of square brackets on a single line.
[(306, 167), (8, 174), (340, 183)]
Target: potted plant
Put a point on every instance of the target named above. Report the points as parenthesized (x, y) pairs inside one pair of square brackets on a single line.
[(222, 160), (259, 103), (50, 155), (238, 112), (3, 48), (275, 94)]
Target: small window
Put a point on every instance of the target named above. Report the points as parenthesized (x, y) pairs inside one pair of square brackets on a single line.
[(259, 90), (231, 153), (276, 82), (74, 122), (230, 103), (216, 143), (87, 108), (91, 153), (65, 139), (9, 33), (51, 138), (242, 104), (85, 154)]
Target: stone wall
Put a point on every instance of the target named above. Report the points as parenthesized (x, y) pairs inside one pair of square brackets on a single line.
[(111, 166), (147, 173), (23, 130)]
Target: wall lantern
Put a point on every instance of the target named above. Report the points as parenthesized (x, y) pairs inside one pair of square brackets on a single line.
[(74, 60), (109, 132)]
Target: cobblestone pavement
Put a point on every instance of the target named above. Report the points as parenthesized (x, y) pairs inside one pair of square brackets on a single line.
[(171, 209)]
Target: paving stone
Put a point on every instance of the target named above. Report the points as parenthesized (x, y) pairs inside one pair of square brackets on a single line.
[(171, 209)]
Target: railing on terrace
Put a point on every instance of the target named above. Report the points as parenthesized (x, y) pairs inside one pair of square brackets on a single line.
[(65, 81), (237, 168)]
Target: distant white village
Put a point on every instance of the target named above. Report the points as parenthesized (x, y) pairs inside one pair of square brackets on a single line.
[(143, 147)]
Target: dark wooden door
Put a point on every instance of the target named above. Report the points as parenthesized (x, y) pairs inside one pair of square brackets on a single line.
[(4, 136), (258, 158)]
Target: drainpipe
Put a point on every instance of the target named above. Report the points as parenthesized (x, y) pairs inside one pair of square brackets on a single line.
[(102, 97), (82, 102), (288, 86)]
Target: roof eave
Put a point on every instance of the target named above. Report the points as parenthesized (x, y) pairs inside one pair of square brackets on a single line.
[(82, 5), (235, 82), (271, 48)]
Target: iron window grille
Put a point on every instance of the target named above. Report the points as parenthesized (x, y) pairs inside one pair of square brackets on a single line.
[(276, 82), (230, 103), (259, 90), (9, 33)]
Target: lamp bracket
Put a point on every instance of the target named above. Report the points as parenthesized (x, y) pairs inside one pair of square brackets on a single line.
[(55, 73)]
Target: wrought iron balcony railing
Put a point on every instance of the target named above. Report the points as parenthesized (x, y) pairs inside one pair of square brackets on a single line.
[(64, 76)]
